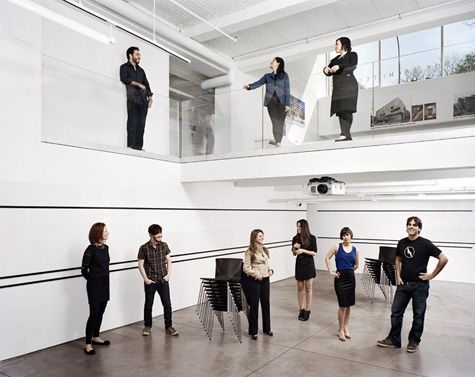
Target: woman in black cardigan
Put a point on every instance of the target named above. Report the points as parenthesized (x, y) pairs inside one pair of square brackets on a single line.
[(95, 269), (345, 86)]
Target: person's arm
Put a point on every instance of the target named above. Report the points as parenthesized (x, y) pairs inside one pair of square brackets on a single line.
[(256, 84), (440, 266), (146, 280), (148, 91), (398, 271), (86, 262), (169, 268), (247, 267), (312, 250), (328, 69), (351, 62), (329, 255), (269, 269), (357, 260), (169, 264)]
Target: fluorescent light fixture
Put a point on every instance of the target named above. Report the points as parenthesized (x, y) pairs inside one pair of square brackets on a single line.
[(125, 28), (62, 20)]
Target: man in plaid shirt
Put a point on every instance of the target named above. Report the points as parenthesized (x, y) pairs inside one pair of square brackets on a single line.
[(155, 267)]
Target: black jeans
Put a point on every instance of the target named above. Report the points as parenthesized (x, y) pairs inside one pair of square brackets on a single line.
[(258, 291), (404, 293), (346, 119), (136, 116), (93, 325), (277, 116), (163, 290)]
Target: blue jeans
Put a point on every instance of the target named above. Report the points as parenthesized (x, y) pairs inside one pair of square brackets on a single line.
[(164, 292), (418, 292)]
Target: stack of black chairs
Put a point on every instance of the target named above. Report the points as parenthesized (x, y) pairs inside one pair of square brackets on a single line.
[(221, 294), (381, 273)]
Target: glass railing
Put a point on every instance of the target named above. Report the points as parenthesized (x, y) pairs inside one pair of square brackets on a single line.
[(84, 108), (398, 96)]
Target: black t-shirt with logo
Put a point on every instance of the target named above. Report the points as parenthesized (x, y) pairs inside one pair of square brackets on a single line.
[(415, 257)]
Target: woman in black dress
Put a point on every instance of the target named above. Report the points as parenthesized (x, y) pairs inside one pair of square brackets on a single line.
[(345, 86), (346, 260), (95, 269), (304, 247)]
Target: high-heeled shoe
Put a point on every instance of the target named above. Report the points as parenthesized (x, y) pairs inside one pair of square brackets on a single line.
[(341, 336)]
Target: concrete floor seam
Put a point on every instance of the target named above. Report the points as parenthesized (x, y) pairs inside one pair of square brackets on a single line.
[(271, 361), (362, 363)]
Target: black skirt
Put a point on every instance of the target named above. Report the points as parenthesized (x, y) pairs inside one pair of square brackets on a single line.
[(345, 288), (304, 267)]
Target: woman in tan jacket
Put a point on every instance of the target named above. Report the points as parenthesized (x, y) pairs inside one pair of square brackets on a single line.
[(256, 267)]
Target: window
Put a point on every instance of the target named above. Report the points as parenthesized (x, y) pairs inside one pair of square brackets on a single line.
[(459, 47), (367, 71)]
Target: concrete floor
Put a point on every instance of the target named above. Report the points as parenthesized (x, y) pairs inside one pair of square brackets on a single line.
[(297, 348)]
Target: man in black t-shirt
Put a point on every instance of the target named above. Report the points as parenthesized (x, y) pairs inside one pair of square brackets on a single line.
[(412, 257)]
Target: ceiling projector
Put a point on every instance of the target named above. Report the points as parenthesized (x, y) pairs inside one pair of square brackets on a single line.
[(325, 186)]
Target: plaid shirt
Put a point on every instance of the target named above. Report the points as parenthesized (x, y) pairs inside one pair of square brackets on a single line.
[(155, 261)]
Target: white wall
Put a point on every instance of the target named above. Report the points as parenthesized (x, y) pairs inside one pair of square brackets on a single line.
[(40, 181), (83, 99), (450, 225)]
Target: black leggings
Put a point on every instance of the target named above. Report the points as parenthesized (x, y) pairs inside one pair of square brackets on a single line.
[(93, 325), (346, 119), (277, 116)]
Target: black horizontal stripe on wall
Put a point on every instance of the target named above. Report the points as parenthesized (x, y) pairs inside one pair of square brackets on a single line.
[(135, 260), (152, 208), (389, 242), (395, 210), (287, 244)]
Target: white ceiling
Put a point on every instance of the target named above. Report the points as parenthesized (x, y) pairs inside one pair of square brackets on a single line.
[(276, 22)]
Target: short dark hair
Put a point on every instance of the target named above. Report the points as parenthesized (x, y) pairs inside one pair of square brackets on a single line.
[(281, 67), (344, 231), (96, 232), (417, 220), (130, 51), (154, 229), (345, 43)]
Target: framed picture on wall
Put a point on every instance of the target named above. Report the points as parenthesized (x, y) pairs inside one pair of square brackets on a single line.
[(417, 112), (464, 105), (392, 112), (430, 111)]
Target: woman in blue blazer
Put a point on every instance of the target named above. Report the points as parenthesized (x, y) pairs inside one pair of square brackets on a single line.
[(277, 99)]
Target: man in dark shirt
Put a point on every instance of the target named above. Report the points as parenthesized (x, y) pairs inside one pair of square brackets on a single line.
[(139, 97), (155, 267), (412, 257)]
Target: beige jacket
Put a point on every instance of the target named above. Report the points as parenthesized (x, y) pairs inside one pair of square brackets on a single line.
[(260, 266)]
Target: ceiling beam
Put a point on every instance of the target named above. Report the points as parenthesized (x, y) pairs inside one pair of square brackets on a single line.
[(267, 11)]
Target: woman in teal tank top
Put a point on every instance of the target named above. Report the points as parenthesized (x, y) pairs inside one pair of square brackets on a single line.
[(346, 260)]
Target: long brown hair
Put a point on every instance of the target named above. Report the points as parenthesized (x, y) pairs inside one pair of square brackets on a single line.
[(252, 245), (305, 235)]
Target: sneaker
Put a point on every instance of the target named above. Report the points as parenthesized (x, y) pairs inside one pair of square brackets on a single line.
[(412, 347), (171, 331), (146, 331), (386, 343)]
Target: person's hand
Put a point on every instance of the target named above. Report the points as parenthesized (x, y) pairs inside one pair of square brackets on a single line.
[(335, 274), (271, 272), (166, 277), (246, 86), (425, 276), (296, 246), (399, 281), (148, 281), (142, 87), (287, 109), (327, 70), (335, 68), (259, 277), (150, 101)]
